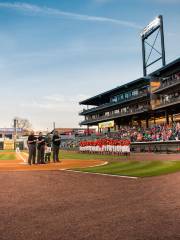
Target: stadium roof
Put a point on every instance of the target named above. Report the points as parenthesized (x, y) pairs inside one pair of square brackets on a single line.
[(102, 97), (175, 63)]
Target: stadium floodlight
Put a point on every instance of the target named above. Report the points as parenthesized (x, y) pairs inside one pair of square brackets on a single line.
[(151, 27), (15, 128), (154, 26)]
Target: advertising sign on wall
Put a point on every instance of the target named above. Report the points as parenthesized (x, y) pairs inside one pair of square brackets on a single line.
[(10, 130), (108, 124), (154, 85), (8, 144)]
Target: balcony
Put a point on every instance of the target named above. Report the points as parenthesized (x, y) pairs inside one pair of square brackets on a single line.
[(169, 102), (115, 115), (112, 104), (167, 83)]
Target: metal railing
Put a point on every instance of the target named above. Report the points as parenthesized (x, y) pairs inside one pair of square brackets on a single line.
[(111, 104), (166, 102), (166, 83), (115, 115)]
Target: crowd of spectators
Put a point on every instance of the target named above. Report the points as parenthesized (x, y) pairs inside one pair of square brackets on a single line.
[(160, 132), (164, 132), (70, 144)]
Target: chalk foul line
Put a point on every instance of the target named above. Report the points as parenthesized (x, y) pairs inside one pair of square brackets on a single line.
[(100, 174), (18, 152)]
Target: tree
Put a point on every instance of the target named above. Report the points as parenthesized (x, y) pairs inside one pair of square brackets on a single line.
[(22, 123)]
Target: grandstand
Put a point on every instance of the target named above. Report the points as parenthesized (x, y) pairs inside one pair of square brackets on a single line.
[(145, 111), (150, 100), (154, 99)]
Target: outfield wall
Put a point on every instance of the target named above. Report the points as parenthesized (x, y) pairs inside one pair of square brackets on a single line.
[(164, 147), (137, 147), (11, 145)]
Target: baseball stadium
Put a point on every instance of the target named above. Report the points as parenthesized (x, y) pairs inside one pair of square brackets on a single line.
[(115, 178)]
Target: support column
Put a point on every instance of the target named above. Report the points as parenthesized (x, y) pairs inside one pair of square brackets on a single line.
[(115, 126), (87, 129), (172, 118), (98, 129), (132, 122), (139, 123), (154, 119), (147, 122), (167, 117)]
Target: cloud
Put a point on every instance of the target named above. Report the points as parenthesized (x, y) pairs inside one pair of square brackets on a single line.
[(59, 108), (45, 11), (57, 103)]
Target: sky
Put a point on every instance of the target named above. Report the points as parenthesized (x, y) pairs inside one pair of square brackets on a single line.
[(54, 54)]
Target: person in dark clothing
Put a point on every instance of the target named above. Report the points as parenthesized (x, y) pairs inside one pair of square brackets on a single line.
[(40, 148), (56, 141), (32, 148), (48, 142), (178, 135)]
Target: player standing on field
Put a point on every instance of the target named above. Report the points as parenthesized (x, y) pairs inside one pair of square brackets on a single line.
[(56, 141), (41, 149), (32, 148), (48, 142)]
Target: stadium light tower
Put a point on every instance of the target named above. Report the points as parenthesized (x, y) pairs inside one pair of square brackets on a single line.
[(15, 131), (156, 26)]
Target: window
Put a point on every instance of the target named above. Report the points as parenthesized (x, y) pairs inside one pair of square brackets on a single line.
[(116, 111), (126, 95), (135, 92), (106, 113), (114, 99), (121, 96), (123, 110)]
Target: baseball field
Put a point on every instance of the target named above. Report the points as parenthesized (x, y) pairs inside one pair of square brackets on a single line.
[(97, 164), (90, 197)]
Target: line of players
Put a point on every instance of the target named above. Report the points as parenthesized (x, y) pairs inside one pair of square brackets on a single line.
[(106, 146), (42, 147)]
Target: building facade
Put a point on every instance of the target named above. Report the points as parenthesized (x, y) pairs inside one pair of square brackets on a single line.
[(11, 133), (145, 101)]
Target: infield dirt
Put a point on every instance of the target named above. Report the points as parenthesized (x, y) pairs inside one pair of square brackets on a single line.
[(19, 164), (58, 205)]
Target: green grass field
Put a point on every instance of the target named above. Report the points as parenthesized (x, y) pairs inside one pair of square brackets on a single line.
[(4, 151), (7, 156), (75, 155), (119, 165), (136, 168), (124, 167)]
